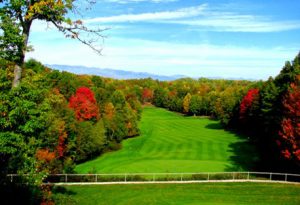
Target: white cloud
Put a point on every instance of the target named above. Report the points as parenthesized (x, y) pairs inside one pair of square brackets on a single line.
[(168, 58), (238, 23), (155, 16), (206, 18)]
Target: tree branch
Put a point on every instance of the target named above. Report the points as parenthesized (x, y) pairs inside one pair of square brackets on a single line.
[(74, 31)]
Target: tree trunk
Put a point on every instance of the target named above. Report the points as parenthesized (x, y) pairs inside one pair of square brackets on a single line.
[(19, 65)]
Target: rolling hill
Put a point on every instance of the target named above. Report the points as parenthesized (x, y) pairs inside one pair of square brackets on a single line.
[(111, 73), (171, 142)]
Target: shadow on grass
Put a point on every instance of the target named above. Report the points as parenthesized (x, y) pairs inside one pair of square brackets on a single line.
[(62, 195), (214, 126), (62, 190), (244, 155)]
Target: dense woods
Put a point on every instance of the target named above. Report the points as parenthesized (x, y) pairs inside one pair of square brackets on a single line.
[(51, 120), (54, 120), (266, 112)]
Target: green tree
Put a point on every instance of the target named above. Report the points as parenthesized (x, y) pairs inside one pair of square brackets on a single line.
[(196, 104), (270, 107), (288, 74), (118, 98), (175, 104), (90, 139), (34, 65), (131, 121), (16, 18), (160, 97), (227, 105)]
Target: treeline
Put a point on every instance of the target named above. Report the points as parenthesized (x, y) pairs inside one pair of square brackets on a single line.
[(55, 119), (216, 98), (267, 112), (270, 114), (69, 118)]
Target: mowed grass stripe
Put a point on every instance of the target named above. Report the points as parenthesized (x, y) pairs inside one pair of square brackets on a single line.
[(221, 152), (170, 142), (161, 194), (199, 150)]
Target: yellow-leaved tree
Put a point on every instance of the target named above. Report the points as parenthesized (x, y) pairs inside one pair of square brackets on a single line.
[(186, 103), (17, 16)]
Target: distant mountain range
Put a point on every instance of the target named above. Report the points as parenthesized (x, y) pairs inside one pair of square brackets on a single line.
[(111, 73), (122, 74)]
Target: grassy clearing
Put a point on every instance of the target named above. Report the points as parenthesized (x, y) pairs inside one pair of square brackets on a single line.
[(219, 193), (174, 143)]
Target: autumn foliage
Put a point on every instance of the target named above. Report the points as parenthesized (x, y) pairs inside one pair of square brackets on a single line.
[(247, 102), (84, 104), (186, 103), (45, 155), (147, 95), (290, 125), (61, 147), (109, 111)]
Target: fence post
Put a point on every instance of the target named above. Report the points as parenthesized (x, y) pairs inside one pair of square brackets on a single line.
[(125, 177), (96, 178), (208, 177), (154, 177), (232, 175), (248, 175), (271, 176), (285, 177), (181, 176), (11, 178), (66, 178)]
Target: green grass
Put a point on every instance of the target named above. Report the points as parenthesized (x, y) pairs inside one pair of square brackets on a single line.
[(221, 193), (170, 142)]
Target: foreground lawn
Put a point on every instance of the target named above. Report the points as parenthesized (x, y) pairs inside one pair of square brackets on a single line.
[(170, 142), (208, 193)]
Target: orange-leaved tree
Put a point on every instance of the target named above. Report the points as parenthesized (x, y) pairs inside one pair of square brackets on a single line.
[(147, 95)]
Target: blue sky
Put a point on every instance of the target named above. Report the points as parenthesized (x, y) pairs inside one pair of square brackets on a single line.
[(229, 39)]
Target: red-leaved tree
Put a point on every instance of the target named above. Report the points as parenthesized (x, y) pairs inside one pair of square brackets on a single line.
[(290, 125), (61, 146), (84, 104), (247, 102)]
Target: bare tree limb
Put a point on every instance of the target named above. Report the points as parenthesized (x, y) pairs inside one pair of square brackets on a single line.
[(75, 31)]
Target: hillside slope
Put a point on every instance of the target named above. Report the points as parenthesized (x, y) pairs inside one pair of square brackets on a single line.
[(174, 143)]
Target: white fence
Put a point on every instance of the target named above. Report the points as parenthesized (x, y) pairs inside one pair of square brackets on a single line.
[(165, 177)]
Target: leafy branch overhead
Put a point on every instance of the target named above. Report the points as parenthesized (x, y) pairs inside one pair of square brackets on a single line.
[(17, 16)]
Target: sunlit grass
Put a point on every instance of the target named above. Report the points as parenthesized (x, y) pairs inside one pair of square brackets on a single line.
[(170, 142), (208, 193)]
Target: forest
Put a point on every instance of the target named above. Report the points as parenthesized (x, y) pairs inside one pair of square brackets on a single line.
[(55, 120), (51, 121)]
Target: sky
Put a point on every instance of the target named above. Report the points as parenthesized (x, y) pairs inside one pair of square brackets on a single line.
[(248, 39)]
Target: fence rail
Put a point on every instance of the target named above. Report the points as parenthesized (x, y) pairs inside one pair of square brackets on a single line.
[(165, 177)]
